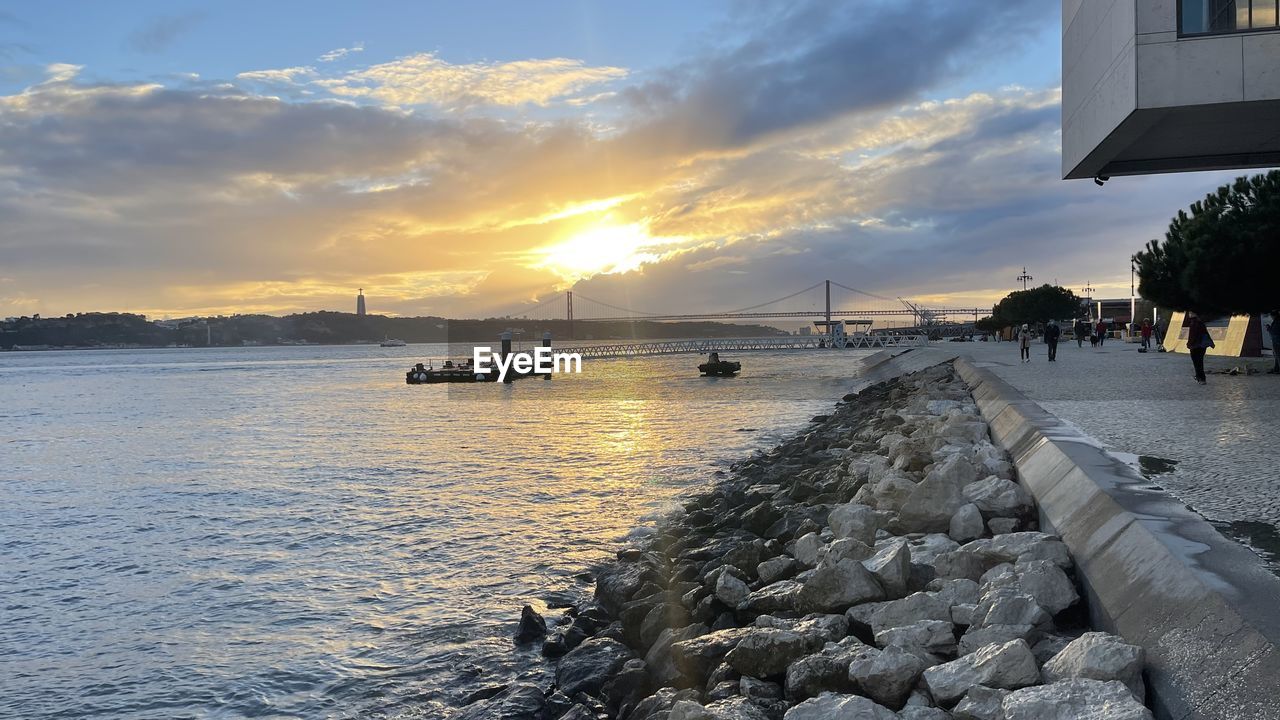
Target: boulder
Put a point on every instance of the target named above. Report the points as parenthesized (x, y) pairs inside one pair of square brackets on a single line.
[(807, 550), (848, 549), (616, 585), (696, 656), (1075, 699), (689, 710), (1008, 606), (517, 702), (779, 568), (997, 497), (835, 587), (825, 671), (1021, 546), (981, 703), (1008, 666), (590, 665), (764, 652), (967, 523), (885, 676), (978, 637), (892, 492), (1042, 580), (956, 469), (532, 626), (925, 550), (731, 591), (911, 609), (782, 596), (1098, 656), (926, 639), (854, 521), (923, 712), (892, 567), (822, 628), (931, 504), (1003, 526), (830, 706), (959, 564), (661, 665)]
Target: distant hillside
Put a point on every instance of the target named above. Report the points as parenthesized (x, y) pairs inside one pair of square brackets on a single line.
[(86, 330)]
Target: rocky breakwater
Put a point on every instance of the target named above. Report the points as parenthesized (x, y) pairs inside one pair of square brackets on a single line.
[(883, 564)]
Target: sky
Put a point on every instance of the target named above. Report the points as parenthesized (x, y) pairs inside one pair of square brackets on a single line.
[(469, 159)]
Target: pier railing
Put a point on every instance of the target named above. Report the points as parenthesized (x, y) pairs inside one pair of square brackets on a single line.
[(738, 345)]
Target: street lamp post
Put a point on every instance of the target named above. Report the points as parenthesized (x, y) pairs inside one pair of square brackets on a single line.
[(1133, 297), (1024, 278)]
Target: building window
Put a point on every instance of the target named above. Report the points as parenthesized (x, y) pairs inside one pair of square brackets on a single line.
[(1200, 17)]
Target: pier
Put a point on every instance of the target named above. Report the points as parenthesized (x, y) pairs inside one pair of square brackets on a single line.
[(740, 345)]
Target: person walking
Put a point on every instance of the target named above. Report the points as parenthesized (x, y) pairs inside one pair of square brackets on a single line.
[(1082, 329), (1102, 333), (1052, 333), (1198, 343), (1146, 335), (1024, 343), (1274, 329)]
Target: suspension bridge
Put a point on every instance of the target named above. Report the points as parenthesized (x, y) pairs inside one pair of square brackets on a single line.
[(877, 313), (879, 322)]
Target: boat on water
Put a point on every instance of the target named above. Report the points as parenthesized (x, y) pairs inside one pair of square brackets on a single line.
[(715, 367), (393, 342), (448, 372)]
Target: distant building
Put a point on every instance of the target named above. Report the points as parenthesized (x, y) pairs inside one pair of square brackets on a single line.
[(1151, 86), (360, 303)]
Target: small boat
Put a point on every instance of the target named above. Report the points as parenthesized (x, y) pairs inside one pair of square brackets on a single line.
[(449, 372), (715, 367), (392, 342)]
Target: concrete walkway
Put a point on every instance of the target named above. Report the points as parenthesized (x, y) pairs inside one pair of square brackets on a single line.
[(1223, 439)]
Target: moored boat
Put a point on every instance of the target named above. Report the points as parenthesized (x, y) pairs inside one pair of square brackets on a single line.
[(715, 367)]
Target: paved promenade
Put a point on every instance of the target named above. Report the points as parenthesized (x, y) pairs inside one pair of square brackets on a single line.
[(1223, 438)]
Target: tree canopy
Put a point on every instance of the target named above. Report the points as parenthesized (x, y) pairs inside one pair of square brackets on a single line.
[(1223, 257), (1037, 305)]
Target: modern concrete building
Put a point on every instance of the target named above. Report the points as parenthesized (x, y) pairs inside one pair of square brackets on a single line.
[(1152, 86)]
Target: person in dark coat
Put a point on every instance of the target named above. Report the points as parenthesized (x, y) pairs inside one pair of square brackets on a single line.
[(1102, 333), (1051, 335), (1146, 334), (1198, 343)]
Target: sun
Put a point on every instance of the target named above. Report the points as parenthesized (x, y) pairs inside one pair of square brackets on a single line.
[(601, 250)]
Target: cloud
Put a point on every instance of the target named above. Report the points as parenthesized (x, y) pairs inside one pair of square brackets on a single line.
[(341, 53), (160, 33), (283, 76)]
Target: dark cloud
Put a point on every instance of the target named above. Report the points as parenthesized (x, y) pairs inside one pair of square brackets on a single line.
[(160, 33)]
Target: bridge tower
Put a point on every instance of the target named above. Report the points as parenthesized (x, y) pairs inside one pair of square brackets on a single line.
[(569, 299), (829, 307)]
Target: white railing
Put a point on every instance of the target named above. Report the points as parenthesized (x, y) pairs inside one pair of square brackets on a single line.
[(763, 344)]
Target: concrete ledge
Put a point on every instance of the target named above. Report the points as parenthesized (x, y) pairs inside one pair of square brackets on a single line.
[(1154, 572)]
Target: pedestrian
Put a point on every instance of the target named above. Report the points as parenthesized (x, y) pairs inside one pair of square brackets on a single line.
[(1082, 329), (1198, 343), (1274, 329), (1051, 335), (1024, 343), (1102, 333), (1146, 335)]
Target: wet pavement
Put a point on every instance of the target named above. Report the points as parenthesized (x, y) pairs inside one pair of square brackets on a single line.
[(1215, 447)]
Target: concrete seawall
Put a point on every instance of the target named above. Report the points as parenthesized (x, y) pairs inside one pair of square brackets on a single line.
[(1204, 608)]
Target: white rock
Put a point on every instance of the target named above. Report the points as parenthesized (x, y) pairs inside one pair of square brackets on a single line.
[(1009, 666), (854, 521), (886, 676), (1042, 580), (1099, 656), (1008, 606), (893, 491), (911, 609), (807, 550), (847, 549), (981, 703), (997, 497), (931, 505), (1076, 699), (830, 706), (834, 587), (1021, 546), (731, 591), (892, 567), (926, 639), (967, 523)]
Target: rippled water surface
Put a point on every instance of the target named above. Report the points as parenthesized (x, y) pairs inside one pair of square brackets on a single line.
[(294, 532)]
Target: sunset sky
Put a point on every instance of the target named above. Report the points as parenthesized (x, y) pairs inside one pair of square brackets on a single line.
[(459, 159)]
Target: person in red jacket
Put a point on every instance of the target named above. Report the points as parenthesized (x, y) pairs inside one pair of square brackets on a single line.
[(1146, 334), (1102, 332)]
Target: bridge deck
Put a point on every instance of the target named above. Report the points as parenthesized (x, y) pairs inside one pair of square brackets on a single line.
[(764, 344)]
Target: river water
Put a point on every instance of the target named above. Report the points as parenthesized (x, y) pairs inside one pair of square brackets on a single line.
[(296, 533)]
